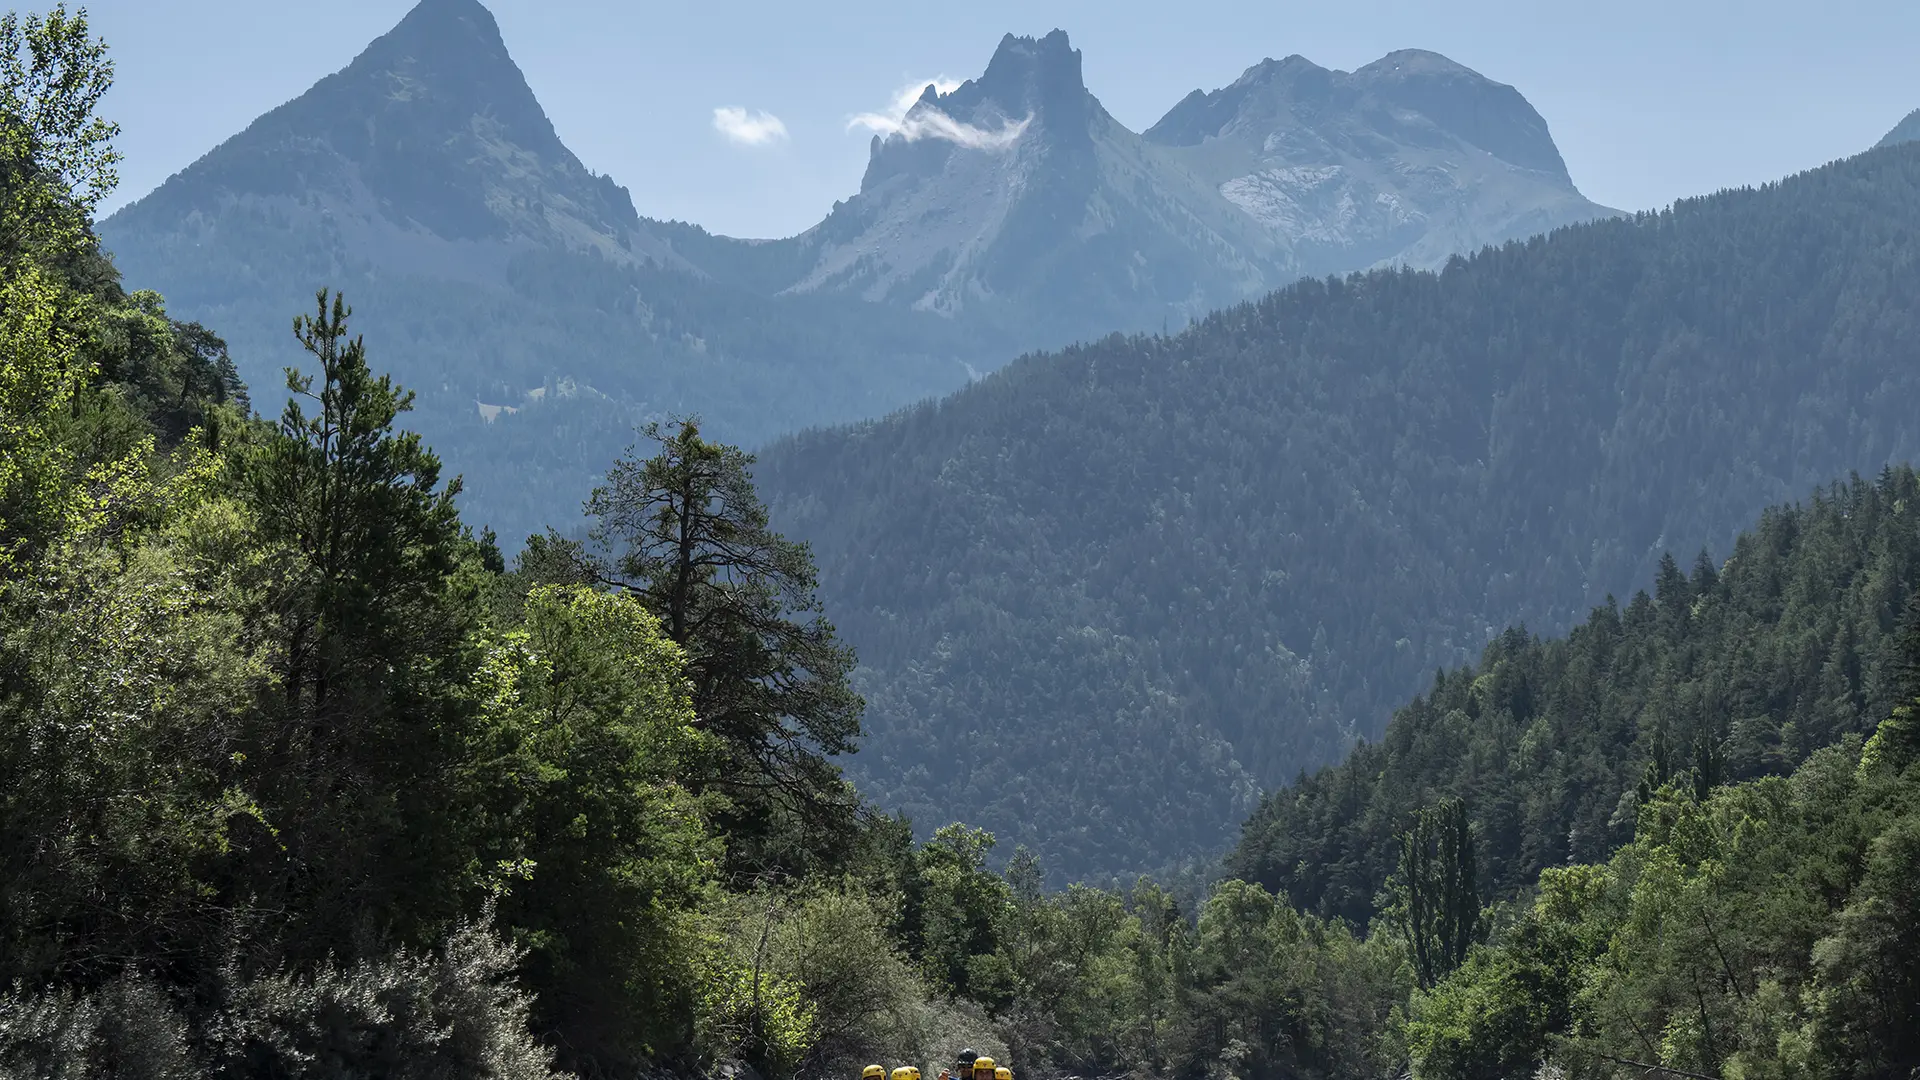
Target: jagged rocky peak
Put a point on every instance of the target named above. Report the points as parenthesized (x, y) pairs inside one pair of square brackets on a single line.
[(1033, 81), (1037, 75), (1031, 98)]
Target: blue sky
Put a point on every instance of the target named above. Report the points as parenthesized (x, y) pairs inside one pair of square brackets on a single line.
[(1649, 101)]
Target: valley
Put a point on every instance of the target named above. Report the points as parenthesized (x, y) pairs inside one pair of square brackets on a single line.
[(1297, 592)]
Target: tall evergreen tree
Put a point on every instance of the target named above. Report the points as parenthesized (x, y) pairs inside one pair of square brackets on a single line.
[(373, 626), (685, 531)]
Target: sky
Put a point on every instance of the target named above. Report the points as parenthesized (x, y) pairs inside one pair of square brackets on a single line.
[(743, 116)]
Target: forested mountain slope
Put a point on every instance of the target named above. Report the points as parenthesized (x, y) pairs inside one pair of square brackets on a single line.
[(1107, 595), (1741, 670)]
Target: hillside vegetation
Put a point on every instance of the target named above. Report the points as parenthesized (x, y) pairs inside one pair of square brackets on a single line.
[(1120, 589), (300, 779), (1739, 670)]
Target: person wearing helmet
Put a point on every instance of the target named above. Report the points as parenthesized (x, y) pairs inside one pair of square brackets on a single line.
[(983, 1068), (904, 1072), (963, 1067), (1002, 1073), (873, 1072)]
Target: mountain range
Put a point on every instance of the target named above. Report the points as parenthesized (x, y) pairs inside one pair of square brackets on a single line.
[(1113, 592), (540, 316)]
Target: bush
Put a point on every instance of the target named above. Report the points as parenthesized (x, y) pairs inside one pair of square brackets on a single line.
[(450, 1015), (453, 1015), (128, 1030)]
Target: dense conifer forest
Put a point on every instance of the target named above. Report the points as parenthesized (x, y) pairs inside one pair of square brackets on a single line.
[(1139, 581), (301, 778), (1740, 669)]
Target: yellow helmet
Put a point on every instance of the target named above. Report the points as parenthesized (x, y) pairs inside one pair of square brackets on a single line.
[(873, 1072), (903, 1073), (1003, 1073), (983, 1065)]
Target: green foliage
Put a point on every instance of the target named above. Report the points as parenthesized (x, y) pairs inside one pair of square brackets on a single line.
[(451, 1013), (177, 375), (355, 501), (1435, 904), (833, 943), (752, 1007), (1736, 671), (43, 373), (584, 737), (1493, 1017), (1765, 931), (961, 906), (57, 160)]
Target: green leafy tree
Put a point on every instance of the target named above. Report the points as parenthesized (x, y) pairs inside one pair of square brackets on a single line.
[(584, 740), (1499, 1014), (57, 160), (963, 909), (1436, 899)]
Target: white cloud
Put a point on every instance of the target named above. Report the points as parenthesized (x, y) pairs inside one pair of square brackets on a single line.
[(906, 120), (748, 128)]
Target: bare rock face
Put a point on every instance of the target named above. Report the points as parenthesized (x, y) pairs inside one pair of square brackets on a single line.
[(1407, 161), (1018, 198)]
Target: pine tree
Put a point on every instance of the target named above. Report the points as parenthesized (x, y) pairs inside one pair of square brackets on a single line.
[(357, 500), (373, 627), (686, 532)]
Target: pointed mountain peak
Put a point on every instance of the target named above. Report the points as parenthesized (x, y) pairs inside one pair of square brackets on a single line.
[(432, 127), (1033, 75), (447, 61), (449, 20)]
